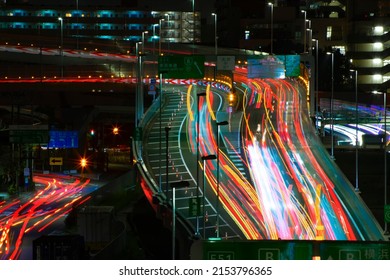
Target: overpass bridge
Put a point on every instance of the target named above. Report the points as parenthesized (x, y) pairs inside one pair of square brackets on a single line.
[(241, 214)]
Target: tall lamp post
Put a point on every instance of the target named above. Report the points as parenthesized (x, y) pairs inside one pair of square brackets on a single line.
[(310, 38), (310, 30), (304, 30), (167, 129), (193, 26), (272, 25), (160, 117), (215, 33), (154, 36), (138, 95), (316, 86), (62, 45), (159, 39), (143, 41), (77, 20), (331, 109), (198, 95), (174, 186), (217, 206), (385, 151), (204, 159), (356, 135), (167, 15)]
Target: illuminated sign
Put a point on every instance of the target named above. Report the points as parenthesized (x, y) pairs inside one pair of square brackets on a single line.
[(291, 250), (63, 139), (181, 66)]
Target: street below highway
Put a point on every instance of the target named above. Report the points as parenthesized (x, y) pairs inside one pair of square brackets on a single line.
[(40, 212)]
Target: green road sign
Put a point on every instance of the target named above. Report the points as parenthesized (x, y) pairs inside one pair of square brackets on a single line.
[(193, 206), (387, 213), (290, 250), (181, 66), (29, 136), (362, 250), (257, 250)]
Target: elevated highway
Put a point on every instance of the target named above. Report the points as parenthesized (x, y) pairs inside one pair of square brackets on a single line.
[(285, 186)]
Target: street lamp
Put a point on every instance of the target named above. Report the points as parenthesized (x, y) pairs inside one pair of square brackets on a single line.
[(385, 156), (160, 117), (168, 24), (62, 45), (272, 25), (115, 130), (310, 30), (215, 33), (310, 37), (304, 33), (311, 34), (77, 20), (167, 129), (217, 206), (159, 40), (138, 96), (198, 95), (205, 158), (167, 15), (357, 135), (174, 186), (143, 40), (193, 26), (316, 86), (154, 36), (331, 108)]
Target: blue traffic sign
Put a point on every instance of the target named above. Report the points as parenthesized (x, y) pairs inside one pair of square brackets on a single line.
[(63, 139)]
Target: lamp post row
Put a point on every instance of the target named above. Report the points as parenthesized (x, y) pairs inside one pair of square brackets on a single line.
[(272, 26), (62, 45)]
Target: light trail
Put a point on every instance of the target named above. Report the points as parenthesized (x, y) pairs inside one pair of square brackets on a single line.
[(36, 213)]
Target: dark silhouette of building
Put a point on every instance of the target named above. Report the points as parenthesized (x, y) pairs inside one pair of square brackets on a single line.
[(59, 247)]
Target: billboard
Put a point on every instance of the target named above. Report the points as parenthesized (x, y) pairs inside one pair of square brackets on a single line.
[(266, 66), (291, 64), (274, 66)]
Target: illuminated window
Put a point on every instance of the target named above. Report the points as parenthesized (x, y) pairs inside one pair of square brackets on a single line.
[(341, 49), (247, 33), (377, 78), (48, 13), (19, 13), (329, 33), (377, 61), (378, 46), (378, 30)]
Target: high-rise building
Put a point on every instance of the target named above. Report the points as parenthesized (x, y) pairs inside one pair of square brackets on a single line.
[(369, 44), (79, 21), (357, 29)]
